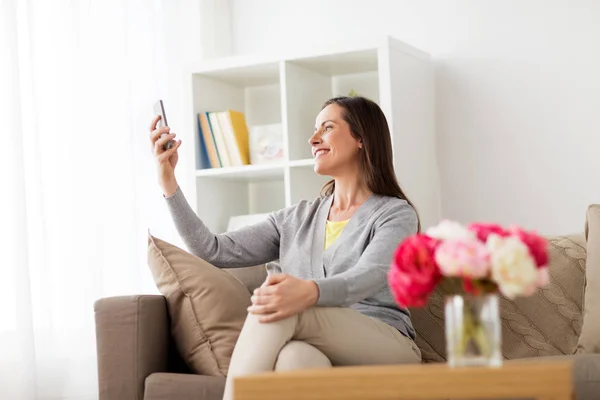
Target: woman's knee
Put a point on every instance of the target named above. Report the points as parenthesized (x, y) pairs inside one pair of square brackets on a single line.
[(300, 355), (253, 320)]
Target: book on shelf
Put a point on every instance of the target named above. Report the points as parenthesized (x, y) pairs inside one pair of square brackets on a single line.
[(234, 129), (223, 139), (207, 139), (202, 160)]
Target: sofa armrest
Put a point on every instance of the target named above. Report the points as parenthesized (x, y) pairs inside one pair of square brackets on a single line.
[(132, 340)]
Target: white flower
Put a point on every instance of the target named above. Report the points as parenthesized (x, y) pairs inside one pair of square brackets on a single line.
[(450, 230), (513, 267)]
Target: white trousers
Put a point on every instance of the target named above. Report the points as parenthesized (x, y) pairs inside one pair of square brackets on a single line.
[(317, 337)]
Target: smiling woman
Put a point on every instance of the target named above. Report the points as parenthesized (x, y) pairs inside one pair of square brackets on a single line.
[(355, 128), (310, 307)]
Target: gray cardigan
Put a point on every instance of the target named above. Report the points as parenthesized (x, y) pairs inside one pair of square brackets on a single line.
[(350, 273)]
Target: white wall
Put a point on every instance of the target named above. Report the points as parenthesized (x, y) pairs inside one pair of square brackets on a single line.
[(518, 93)]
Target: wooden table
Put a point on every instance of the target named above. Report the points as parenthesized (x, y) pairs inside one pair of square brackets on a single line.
[(530, 379)]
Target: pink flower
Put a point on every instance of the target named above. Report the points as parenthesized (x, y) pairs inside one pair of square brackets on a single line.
[(414, 274), (538, 246), (484, 230), (465, 259)]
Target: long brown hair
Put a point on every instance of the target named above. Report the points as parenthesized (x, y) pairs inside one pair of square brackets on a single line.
[(376, 164)]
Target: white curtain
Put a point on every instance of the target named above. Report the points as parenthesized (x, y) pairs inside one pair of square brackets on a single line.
[(77, 180)]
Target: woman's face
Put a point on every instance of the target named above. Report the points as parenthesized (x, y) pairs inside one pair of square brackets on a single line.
[(334, 148)]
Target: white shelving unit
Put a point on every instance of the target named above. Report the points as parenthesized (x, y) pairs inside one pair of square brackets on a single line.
[(291, 91)]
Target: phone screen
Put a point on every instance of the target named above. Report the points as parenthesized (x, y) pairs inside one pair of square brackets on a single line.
[(159, 109)]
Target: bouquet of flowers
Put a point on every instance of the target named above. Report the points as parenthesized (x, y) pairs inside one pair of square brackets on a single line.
[(482, 258), (476, 260)]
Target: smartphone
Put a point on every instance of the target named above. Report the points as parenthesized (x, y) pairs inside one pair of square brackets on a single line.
[(159, 109)]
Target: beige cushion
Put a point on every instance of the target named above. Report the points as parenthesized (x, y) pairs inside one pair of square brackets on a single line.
[(547, 323), (589, 341), (207, 306)]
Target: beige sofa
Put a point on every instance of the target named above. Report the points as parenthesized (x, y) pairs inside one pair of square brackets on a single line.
[(137, 358)]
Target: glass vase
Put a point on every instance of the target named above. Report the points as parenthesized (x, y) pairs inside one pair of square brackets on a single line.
[(473, 331)]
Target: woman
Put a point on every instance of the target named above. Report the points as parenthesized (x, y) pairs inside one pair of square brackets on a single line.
[(327, 301)]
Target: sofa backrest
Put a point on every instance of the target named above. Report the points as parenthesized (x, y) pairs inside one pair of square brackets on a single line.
[(547, 323)]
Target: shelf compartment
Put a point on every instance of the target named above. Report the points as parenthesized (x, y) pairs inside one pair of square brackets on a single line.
[(253, 90)]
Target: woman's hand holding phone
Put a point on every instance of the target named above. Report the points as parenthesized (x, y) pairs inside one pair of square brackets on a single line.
[(166, 159)]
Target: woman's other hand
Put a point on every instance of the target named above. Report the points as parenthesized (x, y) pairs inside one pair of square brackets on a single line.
[(166, 159), (282, 296)]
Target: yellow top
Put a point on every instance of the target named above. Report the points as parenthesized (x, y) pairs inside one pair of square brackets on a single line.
[(333, 230)]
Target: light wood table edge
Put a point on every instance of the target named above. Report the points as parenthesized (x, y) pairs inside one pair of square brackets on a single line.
[(547, 380)]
